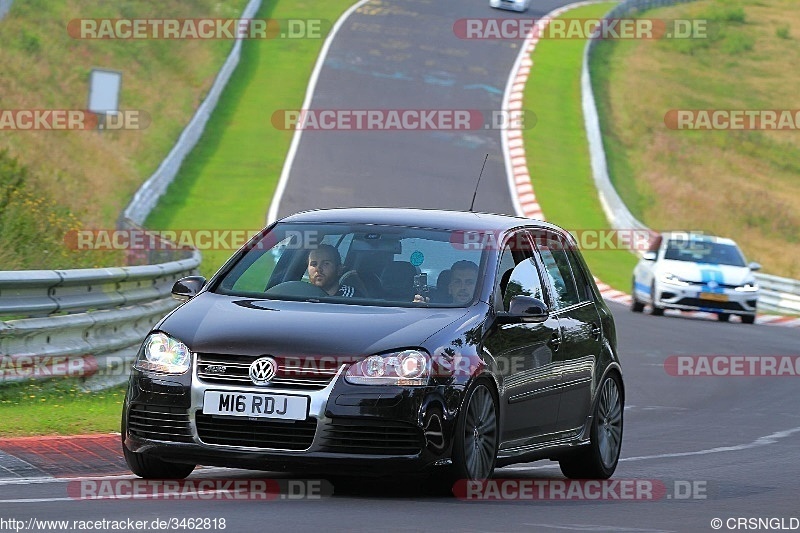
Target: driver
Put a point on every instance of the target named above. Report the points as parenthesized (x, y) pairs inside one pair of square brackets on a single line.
[(325, 269)]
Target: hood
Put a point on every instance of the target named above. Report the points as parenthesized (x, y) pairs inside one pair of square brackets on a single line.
[(214, 323), (706, 272)]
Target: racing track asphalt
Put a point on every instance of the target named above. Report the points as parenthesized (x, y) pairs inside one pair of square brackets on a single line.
[(735, 437)]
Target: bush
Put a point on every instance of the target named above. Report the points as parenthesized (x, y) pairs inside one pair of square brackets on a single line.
[(33, 226)]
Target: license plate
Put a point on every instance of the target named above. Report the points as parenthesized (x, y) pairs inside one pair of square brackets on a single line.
[(255, 405), (714, 296)]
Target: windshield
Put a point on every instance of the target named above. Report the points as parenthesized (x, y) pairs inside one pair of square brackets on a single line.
[(704, 252), (359, 264)]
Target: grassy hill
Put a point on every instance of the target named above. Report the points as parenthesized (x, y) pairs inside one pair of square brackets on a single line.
[(228, 180), (53, 181), (742, 184)]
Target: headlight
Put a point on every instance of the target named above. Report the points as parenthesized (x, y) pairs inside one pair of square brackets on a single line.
[(409, 367), (748, 287), (162, 353), (672, 279)]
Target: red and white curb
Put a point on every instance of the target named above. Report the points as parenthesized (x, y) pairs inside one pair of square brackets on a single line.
[(516, 162)]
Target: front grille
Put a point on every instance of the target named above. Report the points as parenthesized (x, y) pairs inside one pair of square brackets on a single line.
[(710, 304), (372, 437), (159, 423), (704, 284), (290, 435), (306, 375)]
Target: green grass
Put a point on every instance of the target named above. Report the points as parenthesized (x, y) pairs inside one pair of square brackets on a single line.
[(227, 182), (740, 184), (87, 177), (558, 152), (58, 407), (229, 179)]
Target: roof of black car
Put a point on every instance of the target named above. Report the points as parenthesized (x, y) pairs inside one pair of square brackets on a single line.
[(422, 218)]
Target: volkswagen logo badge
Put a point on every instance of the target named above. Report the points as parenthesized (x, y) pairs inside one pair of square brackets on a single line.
[(262, 370)]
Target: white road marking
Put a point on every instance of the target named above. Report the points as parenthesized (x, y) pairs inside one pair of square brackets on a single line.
[(761, 441), (272, 214)]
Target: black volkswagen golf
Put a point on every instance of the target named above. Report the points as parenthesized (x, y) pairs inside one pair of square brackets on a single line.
[(391, 339)]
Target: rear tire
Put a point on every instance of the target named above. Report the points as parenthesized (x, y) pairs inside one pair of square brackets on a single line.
[(748, 319), (599, 458)]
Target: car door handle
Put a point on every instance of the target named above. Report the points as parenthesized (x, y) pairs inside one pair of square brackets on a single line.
[(555, 341), (596, 332)]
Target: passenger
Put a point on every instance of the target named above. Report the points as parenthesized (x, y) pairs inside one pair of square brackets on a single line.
[(463, 279)]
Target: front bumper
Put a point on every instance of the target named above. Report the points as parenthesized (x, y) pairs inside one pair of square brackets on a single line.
[(698, 297), (381, 428)]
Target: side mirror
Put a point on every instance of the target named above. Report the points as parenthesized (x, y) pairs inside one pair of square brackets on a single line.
[(649, 256), (754, 266), (188, 287), (527, 308)]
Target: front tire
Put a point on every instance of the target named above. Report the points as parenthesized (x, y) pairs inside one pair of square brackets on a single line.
[(723, 317), (636, 305), (749, 319), (476, 437), (152, 467), (599, 458), (656, 310)]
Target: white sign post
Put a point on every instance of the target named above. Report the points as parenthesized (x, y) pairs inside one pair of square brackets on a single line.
[(104, 93)]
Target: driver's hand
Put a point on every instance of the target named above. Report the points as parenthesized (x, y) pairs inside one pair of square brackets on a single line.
[(419, 299)]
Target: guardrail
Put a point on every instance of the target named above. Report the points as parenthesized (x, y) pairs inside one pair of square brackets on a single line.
[(110, 311), (779, 295), (88, 323)]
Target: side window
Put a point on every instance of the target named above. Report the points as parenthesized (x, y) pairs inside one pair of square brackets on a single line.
[(581, 276), (524, 281), (554, 256), (517, 273)]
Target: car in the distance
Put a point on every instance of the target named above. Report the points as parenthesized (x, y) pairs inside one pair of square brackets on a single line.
[(695, 272), (514, 5), (262, 369)]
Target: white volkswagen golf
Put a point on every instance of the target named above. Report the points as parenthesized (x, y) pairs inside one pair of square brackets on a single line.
[(696, 273), (514, 5)]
